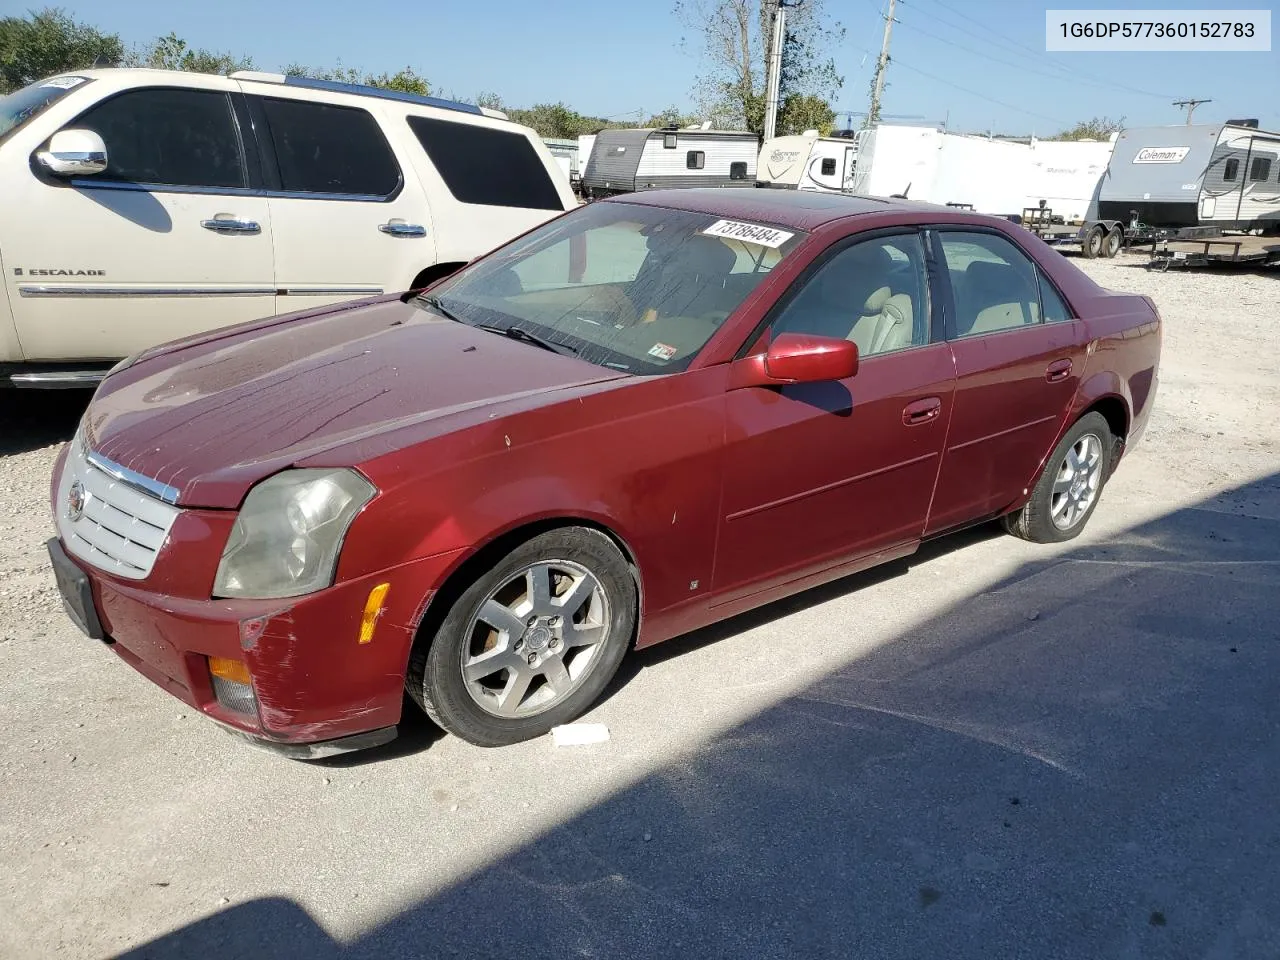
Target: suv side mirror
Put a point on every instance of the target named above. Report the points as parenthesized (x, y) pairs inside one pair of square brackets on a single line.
[(74, 153), (798, 358)]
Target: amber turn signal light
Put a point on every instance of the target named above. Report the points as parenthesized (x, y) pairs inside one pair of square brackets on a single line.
[(372, 611), (229, 669)]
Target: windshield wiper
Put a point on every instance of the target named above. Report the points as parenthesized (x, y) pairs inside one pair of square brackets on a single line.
[(516, 333), (435, 304)]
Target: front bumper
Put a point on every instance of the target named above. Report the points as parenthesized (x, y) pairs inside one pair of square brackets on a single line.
[(316, 690)]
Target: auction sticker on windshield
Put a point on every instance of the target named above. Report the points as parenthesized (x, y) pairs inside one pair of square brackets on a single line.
[(748, 233)]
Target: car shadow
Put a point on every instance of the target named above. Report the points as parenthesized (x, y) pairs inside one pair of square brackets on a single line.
[(1081, 761), (31, 419)]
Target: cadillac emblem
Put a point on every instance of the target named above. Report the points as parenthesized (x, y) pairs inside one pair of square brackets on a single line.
[(76, 498)]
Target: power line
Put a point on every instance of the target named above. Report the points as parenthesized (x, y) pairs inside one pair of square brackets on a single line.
[(1031, 53), (981, 96), (1007, 63)]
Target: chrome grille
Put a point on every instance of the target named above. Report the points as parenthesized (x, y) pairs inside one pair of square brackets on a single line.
[(121, 529)]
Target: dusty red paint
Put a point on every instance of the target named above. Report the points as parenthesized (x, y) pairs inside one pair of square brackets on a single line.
[(726, 496)]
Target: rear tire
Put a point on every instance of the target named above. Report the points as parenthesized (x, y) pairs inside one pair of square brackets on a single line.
[(1112, 244), (1091, 245), (532, 643), (1069, 486)]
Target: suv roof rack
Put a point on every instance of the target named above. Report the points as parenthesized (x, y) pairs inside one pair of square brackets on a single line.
[(364, 90)]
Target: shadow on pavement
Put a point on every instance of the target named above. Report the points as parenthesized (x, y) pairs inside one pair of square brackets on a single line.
[(1083, 761), (30, 419)]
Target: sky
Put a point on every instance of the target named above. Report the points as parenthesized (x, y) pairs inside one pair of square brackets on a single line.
[(977, 64)]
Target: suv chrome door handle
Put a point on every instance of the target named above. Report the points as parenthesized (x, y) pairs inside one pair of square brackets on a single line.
[(226, 223), (398, 228)]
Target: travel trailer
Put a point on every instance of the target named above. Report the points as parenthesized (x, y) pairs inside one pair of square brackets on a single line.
[(1065, 174), (623, 161), (1224, 175), (808, 161), (566, 155)]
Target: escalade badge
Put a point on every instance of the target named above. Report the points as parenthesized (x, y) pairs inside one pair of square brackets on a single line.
[(76, 499)]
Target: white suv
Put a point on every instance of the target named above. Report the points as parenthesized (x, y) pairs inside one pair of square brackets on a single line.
[(142, 205)]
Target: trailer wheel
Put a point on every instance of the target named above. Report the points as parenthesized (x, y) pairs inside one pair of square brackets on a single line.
[(1112, 244), (1092, 245)]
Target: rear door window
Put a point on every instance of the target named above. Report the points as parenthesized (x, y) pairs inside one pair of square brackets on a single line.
[(168, 137), (993, 283), (481, 165), (327, 149)]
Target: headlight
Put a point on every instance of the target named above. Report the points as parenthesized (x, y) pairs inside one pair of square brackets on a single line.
[(287, 538)]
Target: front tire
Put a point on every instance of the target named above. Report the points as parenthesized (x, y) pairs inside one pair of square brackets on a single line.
[(1069, 486), (532, 643)]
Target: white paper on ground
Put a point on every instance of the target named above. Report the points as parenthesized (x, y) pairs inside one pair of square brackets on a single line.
[(578, 734)]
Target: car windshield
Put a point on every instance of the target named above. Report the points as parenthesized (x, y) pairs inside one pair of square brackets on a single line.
[(634, 288), (20, 106)]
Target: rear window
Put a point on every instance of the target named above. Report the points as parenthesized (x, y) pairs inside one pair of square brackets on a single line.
[(481, 165), (322, 148)]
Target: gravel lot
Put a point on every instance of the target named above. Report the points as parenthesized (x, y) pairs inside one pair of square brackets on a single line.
[(994, 750)]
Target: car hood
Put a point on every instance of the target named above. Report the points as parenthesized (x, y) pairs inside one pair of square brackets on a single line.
[(209, 417)]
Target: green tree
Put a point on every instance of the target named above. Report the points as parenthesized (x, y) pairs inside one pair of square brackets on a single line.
[(805, 111), (672, 116), (1099, 128), (172, 53), (48, 42), (406, 80), (554, 120), (730, 37)]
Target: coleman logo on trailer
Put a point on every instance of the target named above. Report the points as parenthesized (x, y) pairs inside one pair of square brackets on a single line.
[(1162, 154)]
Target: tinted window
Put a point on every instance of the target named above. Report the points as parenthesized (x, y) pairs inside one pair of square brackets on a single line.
[(481, 165), (738, 170), (993, 283), (1260, 169), (630, 287), (1230, 169), (873, 293), (326, 149), (181, 138), (695, 160), (1053, 308), (828, 166)]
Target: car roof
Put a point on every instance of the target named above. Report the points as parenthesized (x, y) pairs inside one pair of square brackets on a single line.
[(801, 210)]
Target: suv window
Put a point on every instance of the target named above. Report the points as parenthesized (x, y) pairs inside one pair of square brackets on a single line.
[(873, 293), (322, 148), (993, 283), (481, 165), (168, 137)]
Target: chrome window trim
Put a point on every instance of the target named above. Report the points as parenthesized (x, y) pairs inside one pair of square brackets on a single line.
[(88, 290), (155, 488), (83, 183), (330, 291)]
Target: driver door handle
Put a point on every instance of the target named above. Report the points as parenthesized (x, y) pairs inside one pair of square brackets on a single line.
[(922, 411), (229, 223), (398, 228)]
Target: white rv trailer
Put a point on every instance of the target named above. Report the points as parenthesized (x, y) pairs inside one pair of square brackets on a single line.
[(565, 153), (623, 161), (1065, 174), (1184, 184), (585, 142), (807, 161)]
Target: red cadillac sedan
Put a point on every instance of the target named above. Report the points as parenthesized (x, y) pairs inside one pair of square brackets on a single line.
[(640, 418)]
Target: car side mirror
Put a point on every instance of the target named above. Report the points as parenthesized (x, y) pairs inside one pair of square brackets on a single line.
[(798, 358), (74, 153)]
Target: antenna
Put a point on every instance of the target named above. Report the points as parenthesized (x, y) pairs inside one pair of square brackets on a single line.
[(1191, 106)]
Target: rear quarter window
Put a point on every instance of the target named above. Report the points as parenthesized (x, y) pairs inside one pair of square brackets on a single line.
[(484, 166)]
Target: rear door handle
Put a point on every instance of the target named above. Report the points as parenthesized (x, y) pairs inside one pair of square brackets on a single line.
[(922, 411), (1058, 370), (229, 223), (398, 228)]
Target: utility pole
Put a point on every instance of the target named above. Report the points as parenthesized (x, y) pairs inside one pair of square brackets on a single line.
[(1191, 106), (877, 87), (773, 77)]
